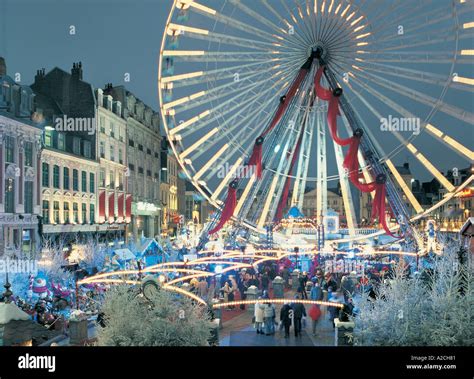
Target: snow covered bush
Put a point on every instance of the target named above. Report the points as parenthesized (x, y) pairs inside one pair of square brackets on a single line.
[(168, 320), (433, 308)]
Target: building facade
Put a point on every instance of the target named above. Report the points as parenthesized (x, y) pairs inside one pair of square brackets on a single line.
[(114, 201), (67, 109), (169, 190), (20, 168), (143, 149)]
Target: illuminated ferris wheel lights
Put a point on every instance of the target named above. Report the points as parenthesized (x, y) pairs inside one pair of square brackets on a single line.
[(468, 25), (359, 28), (463, 80), (363, 35), (467, 52), (357, 20), (345, 11)]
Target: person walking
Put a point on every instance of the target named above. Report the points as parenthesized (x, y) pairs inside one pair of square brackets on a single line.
[(285, 318), (303, 279), (314, 314), (316, 292), (299, 312), (269, 319), (259, 316)]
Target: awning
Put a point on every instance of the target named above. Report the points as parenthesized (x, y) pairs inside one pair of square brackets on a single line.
[(111, 207), (128, 209), (120, 211)]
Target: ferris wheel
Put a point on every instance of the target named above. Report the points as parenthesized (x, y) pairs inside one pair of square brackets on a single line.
[(252, 92)]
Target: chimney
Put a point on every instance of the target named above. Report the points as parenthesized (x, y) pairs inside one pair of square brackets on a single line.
[(39, 75), (3, 67), (76, 71)]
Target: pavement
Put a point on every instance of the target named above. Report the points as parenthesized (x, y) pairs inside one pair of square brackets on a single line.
[(239, 331)]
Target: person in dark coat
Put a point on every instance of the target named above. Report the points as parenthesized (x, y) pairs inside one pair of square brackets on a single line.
[(298, 312), (285, 318), (303, 279)]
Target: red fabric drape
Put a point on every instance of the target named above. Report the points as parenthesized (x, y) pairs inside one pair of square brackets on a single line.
[(120, 206), (321, 92), (229, 207), (256, 156), (111, 207), (102, 206), (128, 209)]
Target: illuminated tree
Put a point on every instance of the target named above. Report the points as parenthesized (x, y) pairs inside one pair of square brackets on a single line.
[(164, 320), (433, 308)]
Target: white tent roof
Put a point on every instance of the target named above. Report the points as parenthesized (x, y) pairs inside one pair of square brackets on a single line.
[(124, 254), (9, 312)]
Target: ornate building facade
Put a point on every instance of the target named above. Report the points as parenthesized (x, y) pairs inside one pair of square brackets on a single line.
[(20, 168)]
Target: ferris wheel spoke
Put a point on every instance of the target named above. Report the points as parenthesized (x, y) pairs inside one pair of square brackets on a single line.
[(229, 21), (256, 16), (220, 56), (396, 49), (411, 14), (229, 40), (199, 77), (418, 75), (416, 153), (440, 17), (420, 97), (213, 94), (442, 137), (202, 120)]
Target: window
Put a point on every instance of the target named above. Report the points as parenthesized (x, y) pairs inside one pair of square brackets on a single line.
[(102, 124), (102, 149), (131, 167), (10, 195), (131, 143), (120, 181), (120, 134), (66, 179), (148, 172), (75, 212), (76, 145), (66, 212), (111, 179), (157, 155), (28, 197), (45, 174), (112, 130), (45, 212), (120, 156), (61, 141), (92, 213), (56, 212), (56, 176), (112, 153), (9, 149), (84, 181), (140, 147), (84, 213), (148, 151), (102, 178), (75, 180), (29, 154), (140, 170), (87, 149), (91, 183), (48, 138)]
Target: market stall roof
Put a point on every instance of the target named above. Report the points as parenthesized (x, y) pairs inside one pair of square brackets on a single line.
[(10, 312), (468, 227), (124, 254), (145, 243)]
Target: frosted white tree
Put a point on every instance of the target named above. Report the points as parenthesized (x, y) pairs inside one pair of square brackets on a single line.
[(168, 320), (433, 308), (53, 260)]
